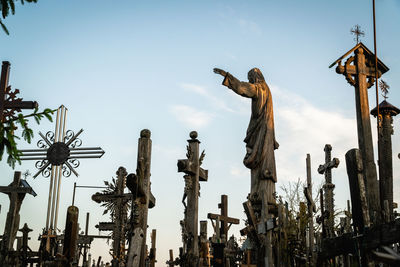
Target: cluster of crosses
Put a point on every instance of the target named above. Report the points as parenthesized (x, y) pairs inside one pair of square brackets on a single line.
[(273, 234)]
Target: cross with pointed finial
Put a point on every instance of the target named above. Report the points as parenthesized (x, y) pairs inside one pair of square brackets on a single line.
[(384, 88), (356, 30)]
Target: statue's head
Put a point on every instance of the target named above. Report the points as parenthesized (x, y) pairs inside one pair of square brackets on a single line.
[(255, 76)]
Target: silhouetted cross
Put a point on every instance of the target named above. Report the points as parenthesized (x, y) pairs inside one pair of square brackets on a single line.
[(357, 32)]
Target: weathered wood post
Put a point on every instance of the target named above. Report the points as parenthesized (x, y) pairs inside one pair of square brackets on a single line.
[(360, 211), (328, 188), (311, 210), (16, 192), (359, 70), (71, 233), (387, 112), (142, 200), (153, 254), (191, 166)]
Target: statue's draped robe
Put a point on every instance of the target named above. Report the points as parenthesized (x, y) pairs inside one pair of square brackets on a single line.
[(260, 139)]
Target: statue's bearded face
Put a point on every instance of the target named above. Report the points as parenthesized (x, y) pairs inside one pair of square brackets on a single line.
[(255, 76)]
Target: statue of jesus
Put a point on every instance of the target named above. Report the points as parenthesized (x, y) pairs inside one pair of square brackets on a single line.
[(260, 139)]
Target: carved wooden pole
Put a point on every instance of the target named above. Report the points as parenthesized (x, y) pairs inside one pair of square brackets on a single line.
[(191, 166), (193, 203), (360, 211), (328, 188), (311, 210), (143, 173), (387, 112), (153, 248)]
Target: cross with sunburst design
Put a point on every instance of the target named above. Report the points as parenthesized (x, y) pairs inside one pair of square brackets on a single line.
[(58, 156)]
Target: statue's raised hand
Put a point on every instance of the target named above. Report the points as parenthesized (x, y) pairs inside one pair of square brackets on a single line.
[(219, 71)]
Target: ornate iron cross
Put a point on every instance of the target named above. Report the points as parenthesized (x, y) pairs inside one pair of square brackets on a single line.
[(357, 32), (58, 156)]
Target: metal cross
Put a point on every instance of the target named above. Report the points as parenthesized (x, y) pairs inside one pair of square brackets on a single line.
[(58, 156), (356, 30)]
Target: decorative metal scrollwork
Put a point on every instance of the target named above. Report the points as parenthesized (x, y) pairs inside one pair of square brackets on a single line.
[(76, 143), (50, 136), (74, 163), (68, 135), (66, 171), (42, 144)]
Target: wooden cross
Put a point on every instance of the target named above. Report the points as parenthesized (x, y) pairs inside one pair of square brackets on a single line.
[(357, 32), (311, 211), (9, 103), (191, 167), (16, 192), (328, 187), (142, 200), (24, 248), (119, 201), (359, 71), (225, 221)]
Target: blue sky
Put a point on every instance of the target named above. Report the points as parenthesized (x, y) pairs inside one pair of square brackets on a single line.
[(123, 67)]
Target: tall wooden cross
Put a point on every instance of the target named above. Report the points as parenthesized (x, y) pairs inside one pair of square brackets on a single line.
[(326, 169), (142, 200), (9, 103), (359, 71), (16, 191), (191, 167), (224, 220), (117, 201), (311, 211)]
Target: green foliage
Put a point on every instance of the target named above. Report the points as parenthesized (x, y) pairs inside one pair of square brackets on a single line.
[(9, 5), (8, 138)]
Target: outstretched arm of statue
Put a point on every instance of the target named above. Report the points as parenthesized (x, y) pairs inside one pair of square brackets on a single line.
[(242, 88)]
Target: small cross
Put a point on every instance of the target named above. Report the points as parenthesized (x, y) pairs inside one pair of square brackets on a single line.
[(384, 88), (356, 30)]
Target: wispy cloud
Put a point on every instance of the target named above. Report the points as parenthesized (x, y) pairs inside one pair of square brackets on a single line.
[(302, 128), (201, 90), (191, 117)]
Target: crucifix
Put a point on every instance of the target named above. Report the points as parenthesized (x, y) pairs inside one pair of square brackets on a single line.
[(225, 222), (9, 103), (356, 30), (326, 169), (116, 201), (359, 71), (194, 174), (311, 211), (386, 113), (142, 200), (16, 191), (221, 227), (58, 156)]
